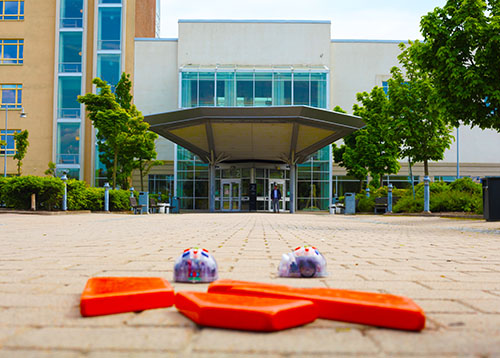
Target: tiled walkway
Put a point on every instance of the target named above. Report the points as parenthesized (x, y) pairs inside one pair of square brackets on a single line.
[(451, 268)]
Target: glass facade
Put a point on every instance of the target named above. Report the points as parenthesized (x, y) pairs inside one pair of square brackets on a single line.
[(253, 88), (12, 10), (11, 52), (69, 87), (109, 58), (313, 180)]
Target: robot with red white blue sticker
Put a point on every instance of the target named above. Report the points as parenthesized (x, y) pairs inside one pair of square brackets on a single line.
[(305, 261), (195, 265)]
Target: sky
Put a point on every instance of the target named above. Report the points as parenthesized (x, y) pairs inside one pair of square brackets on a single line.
[(351, 19)]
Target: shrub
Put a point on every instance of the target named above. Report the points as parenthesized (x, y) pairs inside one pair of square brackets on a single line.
[(16, 192), (409, 205), (77, 195), (466, 185), (95, 199), (454, 200), (366, 204), (119, 200)]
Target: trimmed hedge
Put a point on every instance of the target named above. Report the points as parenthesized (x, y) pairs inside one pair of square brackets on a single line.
[(462, 195), (15, 192)]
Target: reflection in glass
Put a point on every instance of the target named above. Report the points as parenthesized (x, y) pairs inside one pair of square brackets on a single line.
[(244, 89), (225, 89), (68, 143)]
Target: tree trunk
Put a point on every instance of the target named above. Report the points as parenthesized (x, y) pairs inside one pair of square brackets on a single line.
[(140, 173), (115, 166), (426, 168)]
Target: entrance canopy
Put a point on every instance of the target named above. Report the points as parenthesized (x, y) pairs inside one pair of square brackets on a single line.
[(253, 134)]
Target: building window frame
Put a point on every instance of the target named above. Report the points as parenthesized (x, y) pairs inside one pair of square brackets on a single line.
[(19, 57), (16, 16), (11, 143), (17, 90)]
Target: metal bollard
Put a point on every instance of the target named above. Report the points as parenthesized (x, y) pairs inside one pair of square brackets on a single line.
[(427, 194), (64, 178), (389, 198), (106, 196)]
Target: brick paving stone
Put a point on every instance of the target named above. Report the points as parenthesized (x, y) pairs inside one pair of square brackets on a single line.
[(297, 341), (451, 268), (124, 338), (36, 353)]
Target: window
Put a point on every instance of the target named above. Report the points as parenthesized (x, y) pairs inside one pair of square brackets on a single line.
[(11, 143), (68, 143), (385, 87), (11, 52), (67, 103), (12, 10), (110, 25), (71, 13), (108, 68), (11, 96), (70, 52)]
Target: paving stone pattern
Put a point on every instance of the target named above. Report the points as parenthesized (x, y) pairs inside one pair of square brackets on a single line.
[(450, 267)]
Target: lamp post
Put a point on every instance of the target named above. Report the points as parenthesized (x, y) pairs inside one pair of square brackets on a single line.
[(64, 178), (22, 115), (106, 197)]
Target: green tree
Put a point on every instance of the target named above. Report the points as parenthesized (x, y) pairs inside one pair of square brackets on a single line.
[(123, 138), (110, 121), (376, 148), (21, 139), (418, 122), (461, 50), (51, 170), (354, 168)]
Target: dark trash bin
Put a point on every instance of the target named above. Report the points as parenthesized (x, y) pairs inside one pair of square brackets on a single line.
[(350, 203), (491, 198), (144, 200), (174, 205)]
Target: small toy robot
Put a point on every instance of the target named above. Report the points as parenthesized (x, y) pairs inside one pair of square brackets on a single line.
[(195, 265), (304, 261)]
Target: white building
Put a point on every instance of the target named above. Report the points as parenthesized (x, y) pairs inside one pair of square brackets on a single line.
[(229, 63)]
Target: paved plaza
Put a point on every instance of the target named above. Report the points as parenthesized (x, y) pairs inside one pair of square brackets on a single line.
[(450, 267)]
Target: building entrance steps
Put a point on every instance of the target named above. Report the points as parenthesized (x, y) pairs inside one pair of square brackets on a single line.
[(376, 309)]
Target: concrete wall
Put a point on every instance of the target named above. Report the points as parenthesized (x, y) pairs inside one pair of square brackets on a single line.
[(358, 66), (156, 83), (253, 43)]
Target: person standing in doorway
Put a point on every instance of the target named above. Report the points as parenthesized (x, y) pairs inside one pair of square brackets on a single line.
[(276, 197)]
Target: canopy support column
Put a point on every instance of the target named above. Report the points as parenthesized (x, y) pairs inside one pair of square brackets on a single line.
[(293, 185), (211, 197)]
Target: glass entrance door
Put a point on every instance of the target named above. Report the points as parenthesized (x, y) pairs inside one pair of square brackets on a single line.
[(231, 195), (281, 184)]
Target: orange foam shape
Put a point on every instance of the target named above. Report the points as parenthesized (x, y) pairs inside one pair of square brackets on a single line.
[(108, 295), (376, 309), (244, 312)]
